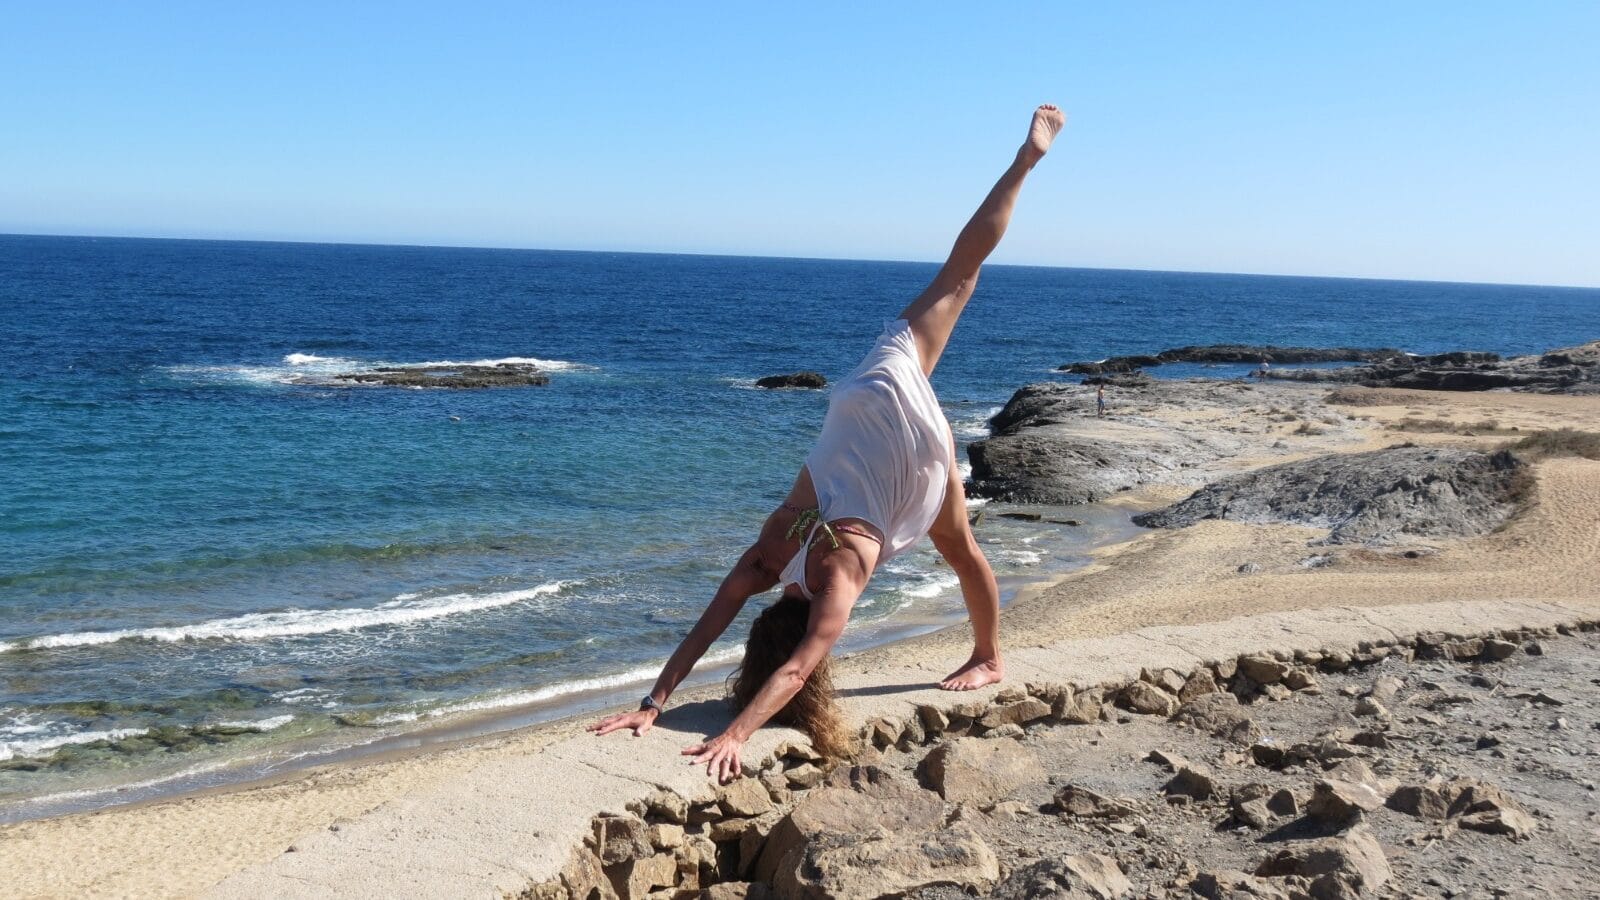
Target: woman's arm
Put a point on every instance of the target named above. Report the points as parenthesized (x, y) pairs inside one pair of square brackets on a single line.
[(749, 576), (844, 576)]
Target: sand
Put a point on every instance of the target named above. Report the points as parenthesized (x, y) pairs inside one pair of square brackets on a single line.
[(1550, 551)]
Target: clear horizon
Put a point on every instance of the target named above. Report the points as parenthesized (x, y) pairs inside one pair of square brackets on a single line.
[(1018, 263), (1428, 142)]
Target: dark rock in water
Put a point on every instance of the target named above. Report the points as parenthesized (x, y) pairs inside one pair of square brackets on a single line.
[(1232, 353), (1373, 497), (793, 380), (1566, 370), (459, 377)]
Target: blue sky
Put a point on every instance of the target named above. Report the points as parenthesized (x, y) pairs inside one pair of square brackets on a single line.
[(1455, 141)]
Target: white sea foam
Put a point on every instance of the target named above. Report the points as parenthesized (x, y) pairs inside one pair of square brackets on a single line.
[(297, 622), (973, 425), (547, 365), (306, 359), (552, 691), (47, 745), (1022, 557), (930, 586), (261, 725)]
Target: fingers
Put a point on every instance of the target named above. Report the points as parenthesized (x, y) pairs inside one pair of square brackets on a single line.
[(696, 750)]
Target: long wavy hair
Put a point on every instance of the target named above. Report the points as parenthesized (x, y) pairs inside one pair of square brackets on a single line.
[(774, 636)]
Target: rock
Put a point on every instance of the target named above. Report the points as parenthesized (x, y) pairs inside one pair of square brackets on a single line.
[(1083, 708), (1249, 568), (1276, 692), (1172, 762), (667, 806), (792, 380), (499, 375), (1299, 680), (1375, 497), (1249, 354), (1252, 813), (1484, 807), (636, 878), (1166, 679), (805, 775), (1227, 884), (1146, 698), (1349, 865), (887, 863), (978, 771), (753, 839), (1425, 801), (1368, 706), (1385, 687), (1076, 875), (666, 837), (1339, 803), (745, 797), (934, 721), (1009, 730), (619, 838), (1220, 715), (1284, 803), (1199, 683), (877, 802), (1263, 669), (1192, 781), (1074, 800), (1019, 713), (582, 876), (736, 890)]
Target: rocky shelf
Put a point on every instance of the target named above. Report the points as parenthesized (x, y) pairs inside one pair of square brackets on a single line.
[(458, 377)]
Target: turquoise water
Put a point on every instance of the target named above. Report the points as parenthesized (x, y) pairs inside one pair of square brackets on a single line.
[(209, 550)]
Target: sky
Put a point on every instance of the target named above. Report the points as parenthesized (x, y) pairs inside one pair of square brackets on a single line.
[(1451, 141)]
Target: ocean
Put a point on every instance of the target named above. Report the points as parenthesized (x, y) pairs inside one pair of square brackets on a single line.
[(217, 562)]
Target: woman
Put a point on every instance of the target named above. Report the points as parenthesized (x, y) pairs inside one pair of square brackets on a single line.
[(880, 477)]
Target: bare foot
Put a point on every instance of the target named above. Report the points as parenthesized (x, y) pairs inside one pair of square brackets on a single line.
[(974, 674), (1047, 123)]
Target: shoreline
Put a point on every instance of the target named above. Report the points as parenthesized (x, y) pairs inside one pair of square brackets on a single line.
[(276, 763), (182, 846)]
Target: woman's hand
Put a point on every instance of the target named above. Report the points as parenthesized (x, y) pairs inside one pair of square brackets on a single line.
[(720, 755), (640, 720)]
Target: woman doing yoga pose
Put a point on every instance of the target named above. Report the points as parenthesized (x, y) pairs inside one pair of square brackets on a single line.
[(881, 475)]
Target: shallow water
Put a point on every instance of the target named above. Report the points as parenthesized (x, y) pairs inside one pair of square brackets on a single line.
[(210, 550)]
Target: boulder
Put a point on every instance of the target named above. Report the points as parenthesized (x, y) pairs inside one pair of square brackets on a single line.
[(1076, 875), (1198, 684), (1075, 800), (1349, 865), (1146, 698), (968, 770), (1020, 712), (810, 380), (1219, 714), (470, 377), (874, 802), (744, 797), (1263, 669), (1192, 781), (1377, 497), (1339, 803), (1227, 884), (619, 838)]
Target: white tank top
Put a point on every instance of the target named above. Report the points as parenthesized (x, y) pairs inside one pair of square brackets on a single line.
[(884, 452)]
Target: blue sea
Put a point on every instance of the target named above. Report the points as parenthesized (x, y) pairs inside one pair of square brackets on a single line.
[(217, 563)]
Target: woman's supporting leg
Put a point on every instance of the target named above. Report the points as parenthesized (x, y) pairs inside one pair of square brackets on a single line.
[(933, 314), (952, 537)]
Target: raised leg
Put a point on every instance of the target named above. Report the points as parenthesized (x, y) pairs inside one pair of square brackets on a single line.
[(952, 537), (934, 313)]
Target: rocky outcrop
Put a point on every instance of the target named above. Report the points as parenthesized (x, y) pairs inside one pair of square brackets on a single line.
[(1376, 497), (1567, 370), (793, 380), (1232, 353), (499, 375), (1048, 445)]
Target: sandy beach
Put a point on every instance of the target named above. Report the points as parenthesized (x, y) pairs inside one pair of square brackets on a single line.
[(1211, 572)]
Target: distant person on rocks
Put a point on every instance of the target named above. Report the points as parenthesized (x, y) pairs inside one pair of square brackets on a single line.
[(882, 474), (1100, 399)]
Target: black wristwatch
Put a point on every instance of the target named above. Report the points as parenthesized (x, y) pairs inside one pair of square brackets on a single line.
[(649, 702)]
